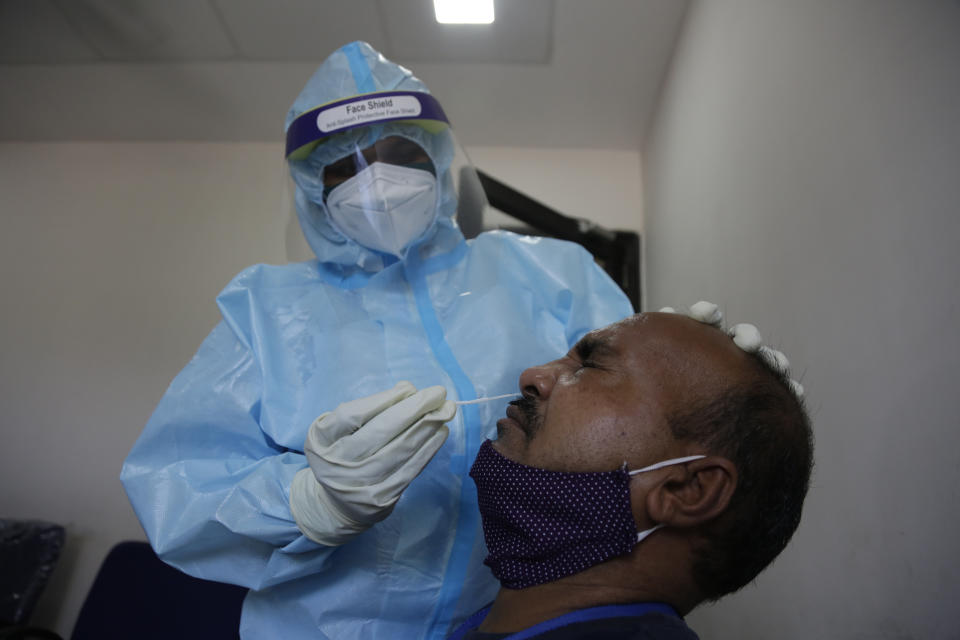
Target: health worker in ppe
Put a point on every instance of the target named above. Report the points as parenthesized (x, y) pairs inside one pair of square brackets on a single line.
[(361, 523)]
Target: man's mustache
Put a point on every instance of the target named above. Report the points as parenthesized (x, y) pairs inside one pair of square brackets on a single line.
[(530, 409)]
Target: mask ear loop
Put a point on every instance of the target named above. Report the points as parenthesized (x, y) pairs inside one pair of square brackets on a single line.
[(666, 463), (643, 534), (653, 467)]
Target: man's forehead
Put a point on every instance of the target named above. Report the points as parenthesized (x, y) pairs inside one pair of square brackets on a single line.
[(652, 326), (673, 342)]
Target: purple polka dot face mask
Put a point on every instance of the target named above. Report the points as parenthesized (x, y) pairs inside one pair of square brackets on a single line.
[(543, 525)]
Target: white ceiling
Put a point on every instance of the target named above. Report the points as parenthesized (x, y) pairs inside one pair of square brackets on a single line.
[(547, 73)]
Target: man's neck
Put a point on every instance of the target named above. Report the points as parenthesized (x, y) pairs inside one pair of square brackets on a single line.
[(517, 609)]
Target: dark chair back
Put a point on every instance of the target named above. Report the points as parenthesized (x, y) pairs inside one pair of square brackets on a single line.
[(137, 595)]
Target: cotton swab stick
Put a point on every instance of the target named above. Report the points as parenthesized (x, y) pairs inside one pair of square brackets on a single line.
[(490, 399)]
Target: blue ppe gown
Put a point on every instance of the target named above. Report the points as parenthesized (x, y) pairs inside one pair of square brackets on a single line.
[(210, 476)]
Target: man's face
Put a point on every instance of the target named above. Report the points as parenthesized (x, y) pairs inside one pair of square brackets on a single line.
[(607, 401)]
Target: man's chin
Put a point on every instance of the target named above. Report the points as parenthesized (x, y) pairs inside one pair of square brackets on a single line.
[(511, 439)]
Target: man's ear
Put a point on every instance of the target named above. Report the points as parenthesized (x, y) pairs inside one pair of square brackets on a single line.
[(693, 493)]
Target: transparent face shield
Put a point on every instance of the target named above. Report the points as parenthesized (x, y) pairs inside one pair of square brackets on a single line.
[(387, 187), (471, 198), (394, 150)]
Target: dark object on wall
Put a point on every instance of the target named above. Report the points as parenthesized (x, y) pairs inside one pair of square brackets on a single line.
[(137, 595), (29, 550), (617, 252)]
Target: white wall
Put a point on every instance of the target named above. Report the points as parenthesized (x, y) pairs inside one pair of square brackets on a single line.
[(803, 171), (112, 255)]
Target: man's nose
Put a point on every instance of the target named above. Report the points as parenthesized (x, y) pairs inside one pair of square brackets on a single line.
[(538, 381)]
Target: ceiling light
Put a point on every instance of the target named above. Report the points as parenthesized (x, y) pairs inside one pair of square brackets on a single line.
[(463, 11)]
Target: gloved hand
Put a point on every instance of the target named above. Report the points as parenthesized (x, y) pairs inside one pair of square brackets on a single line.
[(362, 456)]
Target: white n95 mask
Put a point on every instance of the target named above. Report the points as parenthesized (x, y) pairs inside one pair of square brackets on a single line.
[(384, 207)]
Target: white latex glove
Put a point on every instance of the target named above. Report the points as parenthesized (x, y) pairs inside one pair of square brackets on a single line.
[(362, 456)]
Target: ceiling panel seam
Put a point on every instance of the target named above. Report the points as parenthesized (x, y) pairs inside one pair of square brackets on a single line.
[(68, 19), (238, 52)]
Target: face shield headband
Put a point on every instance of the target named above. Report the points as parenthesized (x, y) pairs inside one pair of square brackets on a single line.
[(311, 127)]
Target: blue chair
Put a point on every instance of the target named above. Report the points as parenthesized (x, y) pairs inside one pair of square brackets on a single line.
[(137, 595)]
